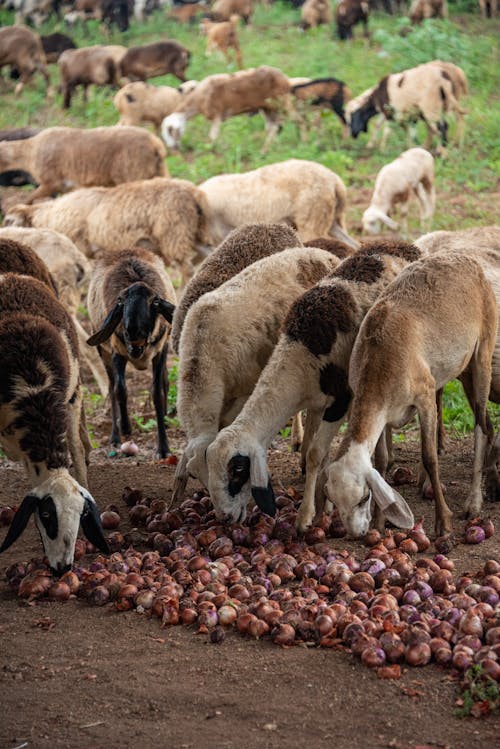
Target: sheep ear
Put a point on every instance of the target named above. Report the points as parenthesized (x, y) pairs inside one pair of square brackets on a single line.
[(108, 327), (262, 491), (20, 521), (392, 504), (164, 308), (91, 525)]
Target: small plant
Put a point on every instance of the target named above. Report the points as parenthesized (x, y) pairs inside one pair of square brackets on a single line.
[(481, 696)]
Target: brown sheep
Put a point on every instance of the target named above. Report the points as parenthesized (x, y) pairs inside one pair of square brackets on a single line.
[(314, 13), (22, 49), (222, 36), (222, 10), (186, 13), (155, 59), (98, 65), (62, 157), (348, 14), (422, 9)]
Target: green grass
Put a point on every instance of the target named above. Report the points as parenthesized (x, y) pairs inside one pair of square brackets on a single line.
[(481, 696)]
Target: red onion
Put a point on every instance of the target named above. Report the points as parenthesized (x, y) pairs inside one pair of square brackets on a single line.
[(443, 656), (474, 535), (59, 591), (98, 596), (373, 657), (372, 538), (34, 585), (283, 634), (493, 636), (491, 567), (393, 647), (6, 516), (491, 668), (418, 655), (444, 544), (463, 658)]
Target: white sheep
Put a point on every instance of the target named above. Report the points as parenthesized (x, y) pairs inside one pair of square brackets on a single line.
[(411, 174), (227, 337), (435, 322)]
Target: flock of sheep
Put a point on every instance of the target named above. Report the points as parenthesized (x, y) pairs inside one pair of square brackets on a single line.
[(286, 312)]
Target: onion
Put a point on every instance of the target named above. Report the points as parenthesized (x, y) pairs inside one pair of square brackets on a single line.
[(491, 668), (493, 636), (227, 615), (408, 546), (34, 585), (373, 657), (59, 591), (443, 544), (71, 580), (6, 516), (443, 656), (283, 634), (372, 538), (110, 520), (361, 581), (129, 448), (393, 647), (462, 658), (418, 655), (474, 535), (98, 596), (217, 635)]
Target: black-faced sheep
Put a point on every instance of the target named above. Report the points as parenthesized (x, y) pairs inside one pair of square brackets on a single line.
[(130, 298), (22, 49)]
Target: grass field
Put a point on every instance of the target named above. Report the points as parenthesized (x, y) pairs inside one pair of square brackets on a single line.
[(467, 185)]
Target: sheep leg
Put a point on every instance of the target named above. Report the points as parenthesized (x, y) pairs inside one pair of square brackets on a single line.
[(215, 129), (383, 457), (297, 434), (492, 479), (46, 190), (160, 391), (180, 480), (313, 420), (119, 396)]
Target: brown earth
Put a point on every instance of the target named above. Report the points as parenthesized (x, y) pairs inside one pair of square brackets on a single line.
[(92, 678)]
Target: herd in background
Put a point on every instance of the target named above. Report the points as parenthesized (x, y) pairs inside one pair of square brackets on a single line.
[(286, 313)]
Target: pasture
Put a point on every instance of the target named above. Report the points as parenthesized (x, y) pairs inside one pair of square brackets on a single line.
[(88, 677)]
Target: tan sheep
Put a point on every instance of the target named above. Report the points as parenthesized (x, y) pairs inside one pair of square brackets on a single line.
[(98, 65), (59, 158), (314, 13), (167, 216), (218, 97), (222, 10), (221, 37), (422, 9), (141, 102), (302, 194), (21, 48)]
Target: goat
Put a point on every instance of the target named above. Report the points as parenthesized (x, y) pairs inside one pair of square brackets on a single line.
[(129, 294)]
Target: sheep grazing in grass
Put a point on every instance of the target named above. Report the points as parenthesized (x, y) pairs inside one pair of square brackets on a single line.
[(306, 370), (222, 37), (62, 157), (303, 194), (222, 10), (186, 13), (422, 9), (21, 48), (167, 216), (314, 13), (348, 14), (218, 97), (448, 312), (242, 247), (323, 93), (141, 102), (98, 65), (159, 58), (130, 300), (227, 338), (411, 174)]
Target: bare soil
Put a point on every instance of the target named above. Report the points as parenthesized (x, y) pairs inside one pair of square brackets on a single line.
[(92, 678)]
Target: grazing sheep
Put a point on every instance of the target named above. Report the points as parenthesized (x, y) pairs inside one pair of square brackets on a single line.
[(421, 9), (222, 10), (158, 58), (218, 97), (167, 216), (22, 49), (62, 157), (227, 338), (130, 298), (242, 247), (55, 44), (306, 370), (71, 271), (314, 13), (348, 14), (40, 407), (222, 37), (325, 92), (448, 312), (186, 13), (303, 194), (98, 65), (140, 102), (424, 92), (411, 174)]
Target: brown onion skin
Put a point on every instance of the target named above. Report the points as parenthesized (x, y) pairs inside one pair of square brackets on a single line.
[(418, 655)]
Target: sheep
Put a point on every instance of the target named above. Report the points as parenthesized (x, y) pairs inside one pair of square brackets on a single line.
[(338, 248), (98, 65), (140, 102), (314, 13), (421, 9), (55, 44), (447, 311), (62, 157), (17, 257), (17, 177), (32, 12), (222, 37), (488, 8), (348, 13), (130, 296), (303, 194), (40, 403), (222, 10), (22, 49), (306, 370), (227, 337), (158, 58), (167, 216), (412, 173), (328, 92), (71, 270), (218, 97), (187, 12), (424, 92)]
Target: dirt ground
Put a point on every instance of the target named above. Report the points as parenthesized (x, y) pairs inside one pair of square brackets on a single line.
[(93, 678)]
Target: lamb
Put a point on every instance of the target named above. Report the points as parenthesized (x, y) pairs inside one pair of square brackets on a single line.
[(218, 97), (227, 337), (307, 370), (22, 49), (412, 173), (62, 157), (348, 14), (328, 92), (425, 92), (300, 193), (167, 216), (98, 65), (70, 269), (222, 37), (421, 9), (222, 10), (448, 312), (314, 13), (158, 58), (40, 403), (141, 102), (130, 296)]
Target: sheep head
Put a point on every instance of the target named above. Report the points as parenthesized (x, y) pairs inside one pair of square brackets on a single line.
[(172, 129), (361, 117)]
